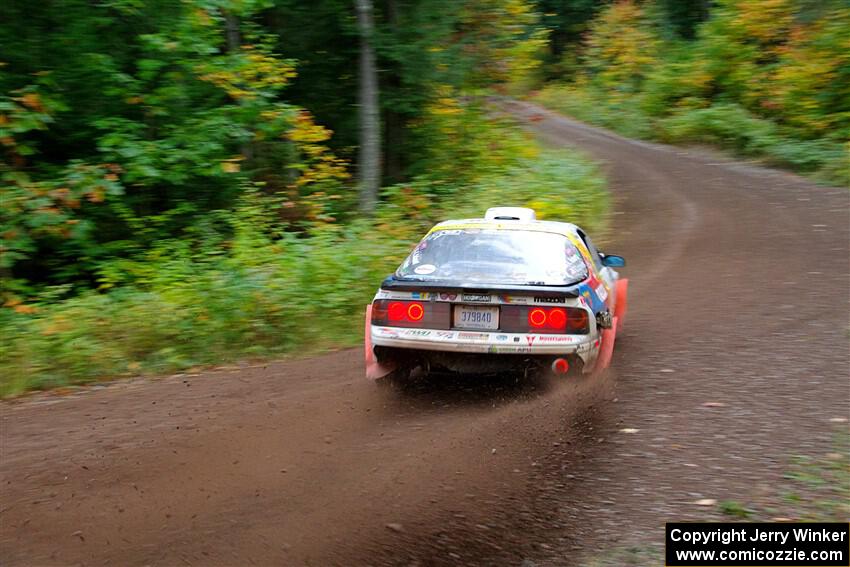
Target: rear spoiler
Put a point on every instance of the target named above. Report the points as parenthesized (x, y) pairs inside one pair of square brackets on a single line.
[(391, 283)]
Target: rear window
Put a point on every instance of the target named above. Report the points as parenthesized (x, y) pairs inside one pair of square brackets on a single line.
[(495, 257)]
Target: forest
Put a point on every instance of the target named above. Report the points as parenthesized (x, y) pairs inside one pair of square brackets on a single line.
[(196, 182)]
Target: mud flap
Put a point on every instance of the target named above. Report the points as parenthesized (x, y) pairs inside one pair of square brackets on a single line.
[(621, 301), (374, 369), (606, 349)]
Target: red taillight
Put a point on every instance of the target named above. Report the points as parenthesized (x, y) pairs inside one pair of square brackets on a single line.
[(402, 313), (415, 311), (557, 318), (405, 311), (396, 311), (539, 319), (554, 318)]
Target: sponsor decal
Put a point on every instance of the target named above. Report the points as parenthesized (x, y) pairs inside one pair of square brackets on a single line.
[(530, 339), (554, 339), (448, 296), (550, 299), (591, 298), (508, 349), (516, 300), (602, 292), (420, 295), (417, 332), (584, 347), (425, 269), (473, 336), (501, 337), (387, 332), (516, 339), (445, 334), (476, 297), (382, 294)]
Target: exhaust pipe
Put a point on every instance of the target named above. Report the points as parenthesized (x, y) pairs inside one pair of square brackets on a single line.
[(560, 366)]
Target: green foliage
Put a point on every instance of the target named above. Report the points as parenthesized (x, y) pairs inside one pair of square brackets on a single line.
[(566, 22), (620, 49), (462, 143), (815, 488), (731, 126), (734, 509), (622, 114), (141, 119), (765, 78), (34, 211)]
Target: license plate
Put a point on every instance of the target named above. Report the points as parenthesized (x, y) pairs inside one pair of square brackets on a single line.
[(476, 317)]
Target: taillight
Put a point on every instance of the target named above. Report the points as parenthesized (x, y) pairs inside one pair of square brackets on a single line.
[(537, 318), (555, 320), (400, 313), (415, 311), (405, 311), (396, 311)]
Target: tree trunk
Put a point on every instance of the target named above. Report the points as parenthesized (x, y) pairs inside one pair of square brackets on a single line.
[(369, 167), (234, 44), (234, 38), (394, 122)]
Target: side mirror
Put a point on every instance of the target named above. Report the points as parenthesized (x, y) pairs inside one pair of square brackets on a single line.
[(612, 261)]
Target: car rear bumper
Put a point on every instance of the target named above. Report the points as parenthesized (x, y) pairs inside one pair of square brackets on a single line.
[(485, 342)]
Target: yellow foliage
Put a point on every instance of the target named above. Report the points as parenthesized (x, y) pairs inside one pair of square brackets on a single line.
[(318, 164), (18, 306), (809, 67), (258, 71), (621, 48), (230, 166), (766, 21), (33, 101)]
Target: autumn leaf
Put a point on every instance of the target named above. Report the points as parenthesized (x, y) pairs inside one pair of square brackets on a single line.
[(230, 166)]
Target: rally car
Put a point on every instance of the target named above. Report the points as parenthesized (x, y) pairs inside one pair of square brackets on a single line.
[(506, 292)]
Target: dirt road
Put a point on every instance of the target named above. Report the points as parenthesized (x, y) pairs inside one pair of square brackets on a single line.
[(739, 298)]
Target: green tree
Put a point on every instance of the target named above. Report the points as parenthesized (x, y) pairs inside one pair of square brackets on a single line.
[(621, 48)]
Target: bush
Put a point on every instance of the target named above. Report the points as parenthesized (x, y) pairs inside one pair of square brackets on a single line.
[(732, 126), (621, 114), (727, 125)]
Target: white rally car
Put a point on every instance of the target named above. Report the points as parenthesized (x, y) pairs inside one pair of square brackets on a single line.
[(502, 293)]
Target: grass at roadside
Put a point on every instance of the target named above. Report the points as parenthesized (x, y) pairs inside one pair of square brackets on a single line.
[(728, 126), (264, 292), (815, 489)]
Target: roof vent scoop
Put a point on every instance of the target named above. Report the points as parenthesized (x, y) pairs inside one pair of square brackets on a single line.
[(510, 213)]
